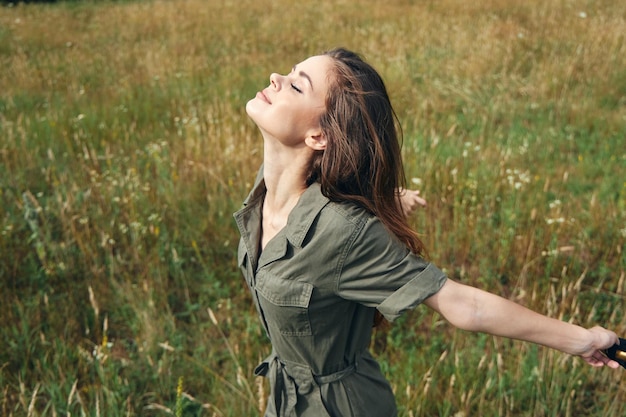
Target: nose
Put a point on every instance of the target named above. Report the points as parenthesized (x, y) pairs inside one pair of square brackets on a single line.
[(275, 80)]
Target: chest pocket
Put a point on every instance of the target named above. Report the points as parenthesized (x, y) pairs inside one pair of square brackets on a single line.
[(285, 304)]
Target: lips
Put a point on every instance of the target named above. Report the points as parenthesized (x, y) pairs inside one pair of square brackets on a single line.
[(262, 96)]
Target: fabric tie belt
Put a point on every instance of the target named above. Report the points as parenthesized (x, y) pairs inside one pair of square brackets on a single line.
[(289, 380)]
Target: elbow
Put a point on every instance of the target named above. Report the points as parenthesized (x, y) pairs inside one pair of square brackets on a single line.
[(469, 317), (460, 305)]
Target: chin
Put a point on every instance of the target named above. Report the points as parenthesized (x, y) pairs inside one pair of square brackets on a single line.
[(249, 109)]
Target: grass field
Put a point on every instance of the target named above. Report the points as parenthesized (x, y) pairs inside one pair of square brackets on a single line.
[(124, 149)]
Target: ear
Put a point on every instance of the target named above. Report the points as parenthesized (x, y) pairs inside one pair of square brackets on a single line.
[(316, 140)]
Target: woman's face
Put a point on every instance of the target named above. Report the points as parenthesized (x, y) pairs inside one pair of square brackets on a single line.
[(289, 109)]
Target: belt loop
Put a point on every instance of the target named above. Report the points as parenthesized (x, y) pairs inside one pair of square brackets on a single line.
[(263, 368)]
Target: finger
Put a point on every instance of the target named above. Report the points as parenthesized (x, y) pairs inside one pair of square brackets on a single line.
[(598, 359), (421, 201)]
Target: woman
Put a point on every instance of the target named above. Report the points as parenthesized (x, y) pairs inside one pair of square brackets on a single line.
[(326, 249)]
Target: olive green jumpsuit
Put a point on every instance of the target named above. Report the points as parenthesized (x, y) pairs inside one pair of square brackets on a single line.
[(316, 287)]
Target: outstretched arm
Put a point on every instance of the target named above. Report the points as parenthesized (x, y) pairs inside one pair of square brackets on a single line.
[(469, 308)]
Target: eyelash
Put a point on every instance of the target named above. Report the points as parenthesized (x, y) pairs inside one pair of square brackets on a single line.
[(296, 88)]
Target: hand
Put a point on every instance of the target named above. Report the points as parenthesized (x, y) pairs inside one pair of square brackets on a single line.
[(410, 201), (599, 340)]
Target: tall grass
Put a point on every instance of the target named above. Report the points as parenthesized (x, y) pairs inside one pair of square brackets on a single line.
[(125, 148)]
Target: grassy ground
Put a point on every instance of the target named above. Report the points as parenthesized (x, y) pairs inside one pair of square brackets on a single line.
[(125, 148)]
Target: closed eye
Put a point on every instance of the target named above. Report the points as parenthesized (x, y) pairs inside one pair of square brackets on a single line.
[(296, 88)]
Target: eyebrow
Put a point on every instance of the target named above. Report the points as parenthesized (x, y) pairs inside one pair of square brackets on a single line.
[(304, 75)]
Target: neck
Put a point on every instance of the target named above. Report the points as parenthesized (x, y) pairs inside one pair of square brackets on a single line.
[(283, 190), (285, 174)]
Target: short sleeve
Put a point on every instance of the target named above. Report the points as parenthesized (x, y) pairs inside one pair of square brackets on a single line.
[(379, 271)]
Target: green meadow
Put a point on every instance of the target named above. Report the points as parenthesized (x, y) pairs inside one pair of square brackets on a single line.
[(125, 149)]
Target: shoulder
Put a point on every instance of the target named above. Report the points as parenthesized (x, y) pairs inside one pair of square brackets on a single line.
[(316, 217), (344, 215), (353, 228), (314, 204), (347, 212)]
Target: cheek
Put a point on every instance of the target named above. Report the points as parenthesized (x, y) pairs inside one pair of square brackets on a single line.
[(309, 117)]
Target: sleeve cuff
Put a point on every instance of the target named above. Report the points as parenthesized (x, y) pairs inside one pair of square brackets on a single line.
[(413, 293)]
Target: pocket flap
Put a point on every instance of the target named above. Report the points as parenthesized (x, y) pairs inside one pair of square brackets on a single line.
[(284, 292)]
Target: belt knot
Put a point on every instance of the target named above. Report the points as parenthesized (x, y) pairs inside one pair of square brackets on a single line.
[(287, 380)]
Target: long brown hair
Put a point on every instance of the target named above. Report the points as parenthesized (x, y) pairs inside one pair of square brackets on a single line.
[(362, 162)]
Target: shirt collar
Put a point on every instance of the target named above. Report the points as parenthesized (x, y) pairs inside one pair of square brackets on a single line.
[(302, 216)]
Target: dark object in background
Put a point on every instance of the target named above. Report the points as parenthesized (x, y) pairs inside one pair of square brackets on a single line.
[(618, 352)]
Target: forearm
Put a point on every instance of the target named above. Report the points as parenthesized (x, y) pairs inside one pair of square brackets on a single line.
[(472, 309)]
